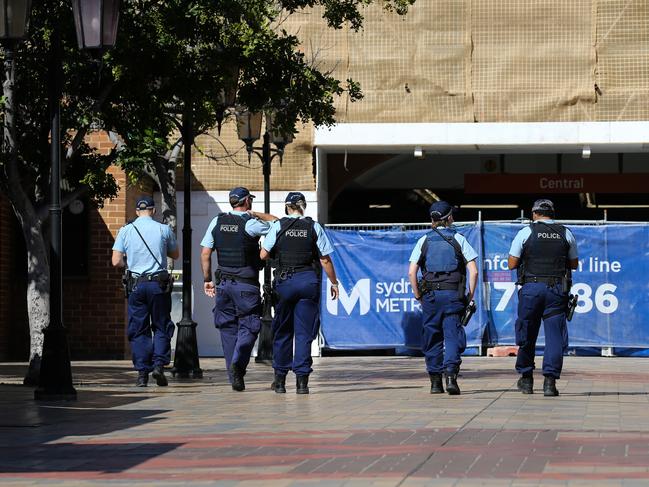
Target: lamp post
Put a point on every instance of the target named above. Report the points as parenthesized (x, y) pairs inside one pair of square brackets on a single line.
[(186, 356), (96, 26), (249, 130)]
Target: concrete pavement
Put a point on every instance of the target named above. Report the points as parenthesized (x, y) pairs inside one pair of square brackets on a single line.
[(369, 421)]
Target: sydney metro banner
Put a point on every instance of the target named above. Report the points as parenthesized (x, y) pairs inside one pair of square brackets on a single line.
[(377, 308)]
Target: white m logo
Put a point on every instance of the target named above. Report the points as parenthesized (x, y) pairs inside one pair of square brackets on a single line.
[(360, 292)]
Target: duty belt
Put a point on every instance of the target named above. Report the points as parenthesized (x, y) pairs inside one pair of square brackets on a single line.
[(220, 276), (442, 286), (157, 277), (286, 272), (550, 281)]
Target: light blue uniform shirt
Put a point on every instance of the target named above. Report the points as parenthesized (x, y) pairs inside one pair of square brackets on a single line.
[(467, 251), (524, 233), (158, 237), (254, 228), (322, 242)]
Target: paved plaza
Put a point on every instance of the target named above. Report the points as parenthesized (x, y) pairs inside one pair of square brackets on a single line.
[(368, 421)]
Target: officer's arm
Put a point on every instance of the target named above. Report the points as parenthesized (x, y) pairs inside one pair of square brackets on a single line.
[(118, 259), (328, 267), (264, 254), (512, 262), (174, 254), (574, 263), (413, 269), (472, 268), (267, 217), (206, 263)]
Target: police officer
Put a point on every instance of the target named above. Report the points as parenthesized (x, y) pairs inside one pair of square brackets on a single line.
[(545, 253), (300, 245), (444, 256), (235, 238), (146, 244)]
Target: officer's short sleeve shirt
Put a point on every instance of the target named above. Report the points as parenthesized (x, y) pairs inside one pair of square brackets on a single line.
[(323, 243), (468, 252), (523, 234), (254, 228), (158, 237)]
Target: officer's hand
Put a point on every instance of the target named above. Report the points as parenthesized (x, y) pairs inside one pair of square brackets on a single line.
[(334, 291), (210, 289), (418, 298)]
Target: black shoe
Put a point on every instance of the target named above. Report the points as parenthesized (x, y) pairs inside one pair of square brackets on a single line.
[(436, 384), (237, 378), (159, 375), (302, 382), (142, 379), (279, 384), (451, 385), (526, 384), (550, 387)]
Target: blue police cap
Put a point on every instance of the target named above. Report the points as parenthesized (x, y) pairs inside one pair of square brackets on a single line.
[(440, 210), (240, 193), (543, 205), (293, 197), (144, 203)]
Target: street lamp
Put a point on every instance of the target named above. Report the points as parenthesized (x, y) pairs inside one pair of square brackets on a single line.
[(96, 22), (186, 356), (249, 130)]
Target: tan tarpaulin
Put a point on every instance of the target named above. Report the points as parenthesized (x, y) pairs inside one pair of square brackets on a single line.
[(465, 61)]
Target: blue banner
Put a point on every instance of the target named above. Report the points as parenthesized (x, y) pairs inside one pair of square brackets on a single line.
[(377, 308)]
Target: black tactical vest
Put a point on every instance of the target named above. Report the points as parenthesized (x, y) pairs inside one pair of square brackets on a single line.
[(295, 247), (545, 252), (441, 258), (235, 248)]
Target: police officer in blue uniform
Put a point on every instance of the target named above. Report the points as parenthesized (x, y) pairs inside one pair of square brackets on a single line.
[(443, 255), (300, 246), (146, 244), (545, 253), (235, 238)]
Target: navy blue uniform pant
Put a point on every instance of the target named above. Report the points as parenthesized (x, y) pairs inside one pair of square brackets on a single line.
[(237, 316), (536, 302), (296, 315), (150, 328), (444, 338)]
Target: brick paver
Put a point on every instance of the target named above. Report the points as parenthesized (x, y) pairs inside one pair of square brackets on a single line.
[(369, 422)]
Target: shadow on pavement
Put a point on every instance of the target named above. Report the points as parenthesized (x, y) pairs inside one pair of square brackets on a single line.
[(42, 437)]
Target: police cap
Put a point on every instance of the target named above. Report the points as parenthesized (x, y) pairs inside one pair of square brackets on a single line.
[(294, 197), (440, 210), (543, 205), (240, 193), (144, 203)]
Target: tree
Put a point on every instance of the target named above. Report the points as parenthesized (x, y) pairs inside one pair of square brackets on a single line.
[(173, 58)]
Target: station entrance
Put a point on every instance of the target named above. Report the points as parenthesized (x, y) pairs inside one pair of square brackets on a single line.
[(379, 173)]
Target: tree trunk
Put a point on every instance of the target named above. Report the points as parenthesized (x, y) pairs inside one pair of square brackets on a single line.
[(38, 297)]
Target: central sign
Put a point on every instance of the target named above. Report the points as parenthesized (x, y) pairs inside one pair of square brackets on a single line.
[(555, 183)]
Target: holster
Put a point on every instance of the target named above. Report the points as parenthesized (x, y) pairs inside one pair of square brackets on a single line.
[(424, 286), (127, 283)]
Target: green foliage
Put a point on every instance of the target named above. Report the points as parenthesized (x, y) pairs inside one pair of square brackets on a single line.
[(171, 55)]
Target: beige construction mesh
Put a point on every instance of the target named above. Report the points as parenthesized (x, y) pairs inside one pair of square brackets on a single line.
[(471, 60)]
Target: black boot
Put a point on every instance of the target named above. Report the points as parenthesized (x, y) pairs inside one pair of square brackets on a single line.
[(159, 375), (526, 384), (550, 387), (142, 378), (302, 382), (279, 384), (436, 385), (237, 377), (451, 385)]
